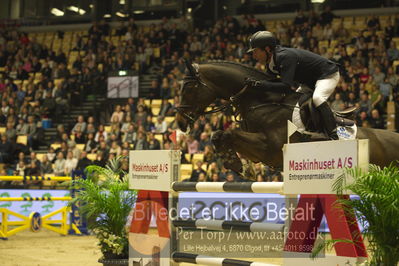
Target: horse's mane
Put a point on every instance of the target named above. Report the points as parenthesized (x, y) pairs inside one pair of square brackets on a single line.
[(247, 67)]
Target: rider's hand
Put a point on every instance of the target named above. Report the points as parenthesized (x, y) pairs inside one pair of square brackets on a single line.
[(250, 82)]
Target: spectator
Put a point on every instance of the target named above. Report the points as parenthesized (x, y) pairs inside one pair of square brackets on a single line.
[(160, 126), (196, 172), (5, 149), (59, 165), (115, 148), (70, 164), (80, 124), (141, 142), (46, 166), (22, 128), (153, 143), (375, 120), (83, 162), (117, 115), (192, 145), (90, 144)]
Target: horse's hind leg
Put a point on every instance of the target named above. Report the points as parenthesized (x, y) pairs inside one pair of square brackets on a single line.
[(223, 141)]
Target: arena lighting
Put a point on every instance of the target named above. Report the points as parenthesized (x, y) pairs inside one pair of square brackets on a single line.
[(107, 15), (76, 9), (189, 10), (91, 5), (120, 14), (57, 12), (138, 12), (122, 2), (122, 73), (317, 1)]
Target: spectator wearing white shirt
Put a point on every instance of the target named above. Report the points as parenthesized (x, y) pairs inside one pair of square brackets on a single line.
[(59, 165), (70, 164), (161, 126)]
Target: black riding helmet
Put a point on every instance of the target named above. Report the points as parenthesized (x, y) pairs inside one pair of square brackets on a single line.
[(261, 39)]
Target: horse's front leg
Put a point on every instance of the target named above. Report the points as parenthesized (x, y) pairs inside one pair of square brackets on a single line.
[(252, 146)]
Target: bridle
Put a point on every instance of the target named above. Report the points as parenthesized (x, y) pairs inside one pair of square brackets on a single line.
[(184, 109)]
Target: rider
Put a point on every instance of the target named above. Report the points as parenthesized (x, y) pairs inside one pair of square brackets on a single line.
[(296, 66)]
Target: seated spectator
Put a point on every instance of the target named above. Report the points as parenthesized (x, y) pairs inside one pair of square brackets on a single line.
[(115, 148), (11, 133), (117, 115), (126, 123), (20, 169), (130, 136), (215, 178), (33, 169), (90, 144), (70, 164), (60, 133), (46, 166), (80, 124), (101, 132), (32, 130), (103, 148), (83, 162), (338, 104), (5, 149), (149, 125), (365, 103), (209, 154), (161, 126), (376, 121), (59, 165), (141, 142), (192, 145), (79, 136), (204, 141), (196, 172), (153, 143), (51, 155), (202, 177), (140, 117), (22, 128)]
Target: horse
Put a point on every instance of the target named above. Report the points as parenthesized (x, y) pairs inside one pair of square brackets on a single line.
[(263, 130)]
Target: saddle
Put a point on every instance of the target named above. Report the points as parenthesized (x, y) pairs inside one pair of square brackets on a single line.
[(312, 119)]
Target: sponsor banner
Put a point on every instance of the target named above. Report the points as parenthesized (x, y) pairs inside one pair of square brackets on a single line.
[(27, 207), (153, 170), (313, 167), (123, 87)]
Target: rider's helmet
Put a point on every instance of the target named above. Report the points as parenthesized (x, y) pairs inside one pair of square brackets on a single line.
[(262, 39)]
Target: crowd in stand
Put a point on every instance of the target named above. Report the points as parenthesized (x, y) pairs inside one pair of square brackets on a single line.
[(369, 80)]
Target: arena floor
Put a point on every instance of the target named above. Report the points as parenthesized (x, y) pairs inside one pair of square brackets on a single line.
[(47, 248)]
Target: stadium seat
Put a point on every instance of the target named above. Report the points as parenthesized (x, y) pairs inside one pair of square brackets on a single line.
[(22, 139), (91, 156), (185, 171), (80, 146), (197, 157), (2, 130)]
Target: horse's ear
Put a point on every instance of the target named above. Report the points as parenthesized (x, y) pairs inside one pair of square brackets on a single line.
[(190, 67)]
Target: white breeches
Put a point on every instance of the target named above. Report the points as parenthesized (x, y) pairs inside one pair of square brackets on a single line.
[(324, 88)]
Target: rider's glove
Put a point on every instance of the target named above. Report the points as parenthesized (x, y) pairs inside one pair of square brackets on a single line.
[(250, 82)]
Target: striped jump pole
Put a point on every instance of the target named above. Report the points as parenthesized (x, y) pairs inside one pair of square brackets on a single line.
[(244, 187), (229, 225), (35, 198), (35, 178), (207, 260)]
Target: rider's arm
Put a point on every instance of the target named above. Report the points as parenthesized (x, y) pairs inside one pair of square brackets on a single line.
[(277, 87)]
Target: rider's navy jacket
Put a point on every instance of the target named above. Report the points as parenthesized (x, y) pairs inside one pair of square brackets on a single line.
[(300, 66)]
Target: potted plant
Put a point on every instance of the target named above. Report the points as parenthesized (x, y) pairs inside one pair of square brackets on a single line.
[(106, 201), (376, 209)]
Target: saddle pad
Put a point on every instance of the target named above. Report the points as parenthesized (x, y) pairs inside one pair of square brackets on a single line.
[(346, 133)]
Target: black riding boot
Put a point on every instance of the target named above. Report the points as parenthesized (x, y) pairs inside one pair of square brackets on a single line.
[(328, 120)]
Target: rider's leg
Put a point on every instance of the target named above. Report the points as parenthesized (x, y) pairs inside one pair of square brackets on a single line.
[(323, 89)]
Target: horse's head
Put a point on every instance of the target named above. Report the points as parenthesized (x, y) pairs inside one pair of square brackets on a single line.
[(195, 96)]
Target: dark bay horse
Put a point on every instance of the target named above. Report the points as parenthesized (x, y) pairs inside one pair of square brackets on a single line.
[(264, 129)]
